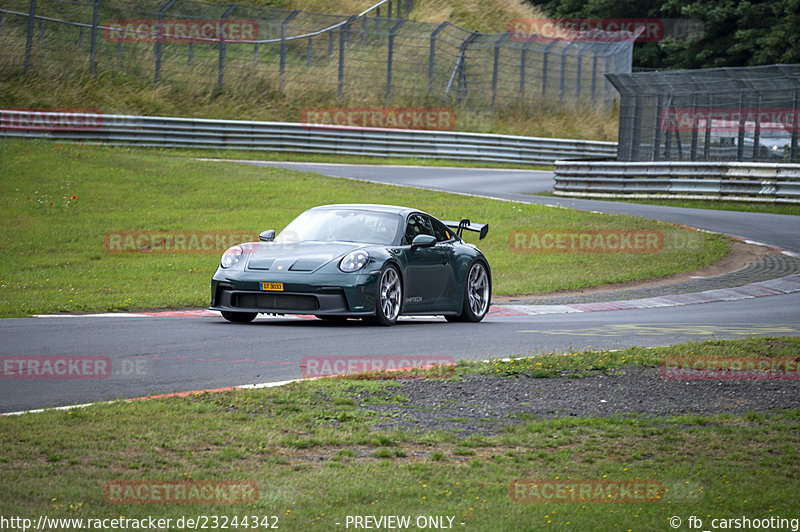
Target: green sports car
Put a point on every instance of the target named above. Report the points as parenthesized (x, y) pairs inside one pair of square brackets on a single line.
[(374, 262)]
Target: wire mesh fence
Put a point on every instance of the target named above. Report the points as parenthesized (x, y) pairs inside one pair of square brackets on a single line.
[(376, 57), (720, 114)]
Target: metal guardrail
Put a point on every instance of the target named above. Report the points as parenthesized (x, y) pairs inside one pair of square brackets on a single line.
[(290, 137), (731, 181)]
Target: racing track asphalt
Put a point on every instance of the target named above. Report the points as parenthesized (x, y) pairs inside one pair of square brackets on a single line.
[(173, 354)]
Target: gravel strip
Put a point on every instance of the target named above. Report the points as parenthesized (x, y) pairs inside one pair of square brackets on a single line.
[(483, 404)]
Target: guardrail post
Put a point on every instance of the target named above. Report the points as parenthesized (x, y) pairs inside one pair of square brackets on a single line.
[(342, 30), (390, 57), (497, 44), (432, 55), (93, 48), (286, 21), (159, 38), (29, 38), (522, 65), (222, 47)]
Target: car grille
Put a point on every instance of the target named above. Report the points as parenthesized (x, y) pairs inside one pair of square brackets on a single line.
[(276, 301)]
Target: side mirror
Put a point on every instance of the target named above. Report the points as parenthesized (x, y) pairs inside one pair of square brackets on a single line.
[(423, 241), (267, 236)]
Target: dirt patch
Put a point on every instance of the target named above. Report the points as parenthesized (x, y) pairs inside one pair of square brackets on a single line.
[(741, 256)]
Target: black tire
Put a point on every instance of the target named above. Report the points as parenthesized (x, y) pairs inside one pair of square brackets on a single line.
[(388, 297), (477, 294), (239, 317)]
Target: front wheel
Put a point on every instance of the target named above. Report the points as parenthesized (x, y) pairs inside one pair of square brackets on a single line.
[(477, 292), (239, 317), (388, 298)]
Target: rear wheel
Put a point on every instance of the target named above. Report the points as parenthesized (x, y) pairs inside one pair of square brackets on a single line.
[(239, 317), (389, 297), (477, 292)]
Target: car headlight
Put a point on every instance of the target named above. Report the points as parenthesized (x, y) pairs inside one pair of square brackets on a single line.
[(354, 261), (231, 256)]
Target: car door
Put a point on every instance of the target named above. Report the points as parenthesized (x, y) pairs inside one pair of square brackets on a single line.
[(428, 273)]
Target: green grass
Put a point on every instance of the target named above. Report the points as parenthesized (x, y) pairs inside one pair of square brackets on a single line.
[(309, 449), (53, 257)]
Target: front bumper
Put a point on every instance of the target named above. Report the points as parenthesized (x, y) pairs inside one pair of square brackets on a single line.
[(304, 293)]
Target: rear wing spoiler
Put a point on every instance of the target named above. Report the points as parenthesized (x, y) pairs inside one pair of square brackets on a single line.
[(481, 229)]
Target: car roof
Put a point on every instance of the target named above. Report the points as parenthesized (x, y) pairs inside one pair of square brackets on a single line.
[(374, 207)]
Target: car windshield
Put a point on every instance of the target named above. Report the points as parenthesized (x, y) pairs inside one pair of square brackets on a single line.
[(342, 225)]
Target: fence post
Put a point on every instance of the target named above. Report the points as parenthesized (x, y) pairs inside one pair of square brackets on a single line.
[(795, 109), (562, 81), (286, 21), (29, 39), (342, 30), (497, 44), (522, 65), (657, 138), (330, 44), (390, 57), (310, 49), (757, 132), (545, 55), (255, 54), (586, 48), (93, 48), (740, 147), (707, 143), (432, 55), (408, 7), (462, 67), (222, 47), (389, 8), (159, 38), (693, 148)]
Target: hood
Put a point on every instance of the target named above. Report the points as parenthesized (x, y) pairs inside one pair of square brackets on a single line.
[(297, 257)]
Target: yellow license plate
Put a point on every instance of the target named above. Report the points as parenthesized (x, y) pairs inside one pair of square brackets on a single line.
[(271, 287)]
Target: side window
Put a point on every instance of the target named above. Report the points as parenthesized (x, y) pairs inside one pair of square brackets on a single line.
[(417, 225), (441, 231)]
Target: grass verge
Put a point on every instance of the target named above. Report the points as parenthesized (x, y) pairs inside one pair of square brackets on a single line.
[(60, 202), (309, 449)]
